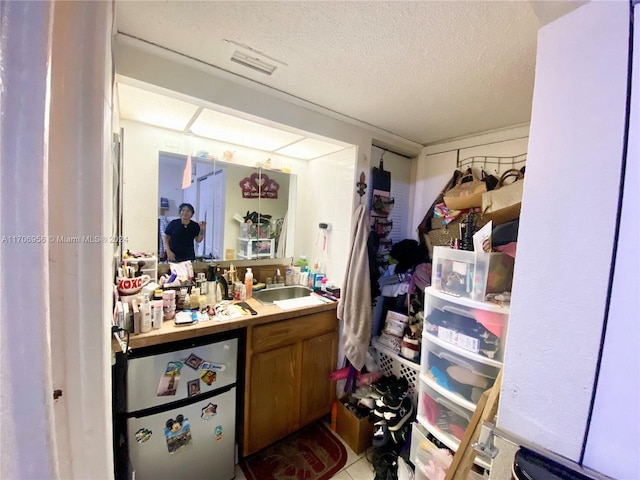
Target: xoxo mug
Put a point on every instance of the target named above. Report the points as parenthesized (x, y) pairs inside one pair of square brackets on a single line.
[(131, 286)]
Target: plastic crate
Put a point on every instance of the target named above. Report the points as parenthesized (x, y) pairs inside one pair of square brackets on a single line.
[(393, 364)]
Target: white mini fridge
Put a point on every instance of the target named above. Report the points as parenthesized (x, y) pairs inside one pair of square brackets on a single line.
[(181, 411)]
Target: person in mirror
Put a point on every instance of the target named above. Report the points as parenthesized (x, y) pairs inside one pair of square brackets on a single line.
[(180, 234)]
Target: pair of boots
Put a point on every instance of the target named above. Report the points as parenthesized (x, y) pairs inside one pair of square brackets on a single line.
[(393, 412)]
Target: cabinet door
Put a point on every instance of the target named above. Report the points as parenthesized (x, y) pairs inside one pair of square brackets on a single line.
[(317, 391), (273, 408)]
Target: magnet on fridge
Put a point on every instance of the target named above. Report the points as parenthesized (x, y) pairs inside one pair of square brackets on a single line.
[(208, 376), (177, 432), (143, 435), (193, 387), (173, 368), (194, 361), (168, 385), (216, 367), (209, 411), (218, 433)]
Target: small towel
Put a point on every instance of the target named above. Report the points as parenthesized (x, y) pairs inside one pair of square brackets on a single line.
[(354, 308)]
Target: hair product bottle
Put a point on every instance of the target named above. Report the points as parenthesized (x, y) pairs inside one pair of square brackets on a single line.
[(248, 282)]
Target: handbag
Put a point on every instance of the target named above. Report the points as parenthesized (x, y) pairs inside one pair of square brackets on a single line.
[(503, 204), (465, 194)]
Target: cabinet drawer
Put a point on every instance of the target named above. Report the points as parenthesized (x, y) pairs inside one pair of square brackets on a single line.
[(442, 414), (457, 370), (285, 332), (479, 327)]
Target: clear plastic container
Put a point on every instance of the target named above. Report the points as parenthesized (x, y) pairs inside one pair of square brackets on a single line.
[(469, 274), (478, 327), (465, 374)]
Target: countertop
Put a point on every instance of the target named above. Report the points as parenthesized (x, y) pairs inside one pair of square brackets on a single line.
[(266, 314)]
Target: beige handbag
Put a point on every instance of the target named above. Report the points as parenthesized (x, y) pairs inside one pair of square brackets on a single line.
[(503, 204), (465, 195)]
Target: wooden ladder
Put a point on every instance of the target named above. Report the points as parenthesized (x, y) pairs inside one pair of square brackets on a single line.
[(485, 411)]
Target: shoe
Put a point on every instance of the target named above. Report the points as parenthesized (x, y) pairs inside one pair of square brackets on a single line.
[(396, 393), (381, 434), (399, 425), (385, 464), (382, 385)]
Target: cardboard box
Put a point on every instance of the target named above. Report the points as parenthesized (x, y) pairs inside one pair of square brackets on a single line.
[(356, 432)]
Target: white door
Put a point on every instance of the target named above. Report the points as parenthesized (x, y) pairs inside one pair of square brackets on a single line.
[(205, 213), (218, 220)]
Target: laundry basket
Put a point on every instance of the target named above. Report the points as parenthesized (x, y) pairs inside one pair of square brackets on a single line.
[(391, 363)]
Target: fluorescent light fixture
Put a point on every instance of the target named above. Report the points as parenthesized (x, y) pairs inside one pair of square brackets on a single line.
[(309, 148), (154, 109), (253, 62), (230, 129)]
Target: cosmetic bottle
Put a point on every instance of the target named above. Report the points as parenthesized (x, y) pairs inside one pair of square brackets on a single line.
[(145, 315)]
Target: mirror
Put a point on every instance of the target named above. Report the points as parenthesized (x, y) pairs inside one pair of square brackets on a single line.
[(226, 195)]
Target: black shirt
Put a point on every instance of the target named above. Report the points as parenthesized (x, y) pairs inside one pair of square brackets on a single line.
[(181, 239)]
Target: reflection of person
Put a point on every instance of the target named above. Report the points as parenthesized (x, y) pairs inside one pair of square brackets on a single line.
[(180, 233)]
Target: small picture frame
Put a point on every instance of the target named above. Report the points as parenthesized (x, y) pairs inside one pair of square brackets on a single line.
[(193, 387), (194, 361), (168, 385)]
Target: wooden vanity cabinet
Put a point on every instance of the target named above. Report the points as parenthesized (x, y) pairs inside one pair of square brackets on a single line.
[(287, 383)]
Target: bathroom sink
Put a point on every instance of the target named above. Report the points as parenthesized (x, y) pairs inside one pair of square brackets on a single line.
[(270, 295)]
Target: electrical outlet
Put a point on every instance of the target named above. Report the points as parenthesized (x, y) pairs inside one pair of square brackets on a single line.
[(325, 226)]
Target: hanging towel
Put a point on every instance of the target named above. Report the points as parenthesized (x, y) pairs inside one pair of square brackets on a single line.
[(354, 308), (282, 239)]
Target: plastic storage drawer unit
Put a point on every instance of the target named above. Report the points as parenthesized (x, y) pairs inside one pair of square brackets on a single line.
[(479, 327), (469, 274), (457, 371)]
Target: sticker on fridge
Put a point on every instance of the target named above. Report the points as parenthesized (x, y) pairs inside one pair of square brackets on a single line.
[(173, 368), (208, 376), (193, 387), (143, 435), (178, 433), (168, 385), (218, 433), (194, 361), (209, 411)]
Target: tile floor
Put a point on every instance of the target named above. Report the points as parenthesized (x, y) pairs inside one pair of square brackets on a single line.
[(356, 468)]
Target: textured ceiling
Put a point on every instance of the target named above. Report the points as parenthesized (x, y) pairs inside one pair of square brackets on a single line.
[(425, 71)]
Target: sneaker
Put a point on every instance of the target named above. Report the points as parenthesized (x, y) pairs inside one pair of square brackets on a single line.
[(396, 393), (385, 464), (381, 434), (402, 418)]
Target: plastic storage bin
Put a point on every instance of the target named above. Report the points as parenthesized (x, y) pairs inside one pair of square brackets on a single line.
[(457, 371), (256, 248), (447, 419), (470, 274), (478, 327), (429, 460)]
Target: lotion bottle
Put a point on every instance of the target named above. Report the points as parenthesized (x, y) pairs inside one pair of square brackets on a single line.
[(145, 315), (248, 282)]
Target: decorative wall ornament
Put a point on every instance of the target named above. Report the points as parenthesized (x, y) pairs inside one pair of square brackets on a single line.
[(259, 186)]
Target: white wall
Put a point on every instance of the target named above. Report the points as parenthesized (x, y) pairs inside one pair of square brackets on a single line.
[(566, 228), (617, 402), (327, 197), (56, 180)]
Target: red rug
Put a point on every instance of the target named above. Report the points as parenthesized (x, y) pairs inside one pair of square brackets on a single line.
[(312, 453)]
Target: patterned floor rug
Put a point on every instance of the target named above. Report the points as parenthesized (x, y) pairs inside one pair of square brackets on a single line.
[(312, 453)]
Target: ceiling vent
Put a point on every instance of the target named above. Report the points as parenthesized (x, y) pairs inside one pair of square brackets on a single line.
[(253, 62)]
